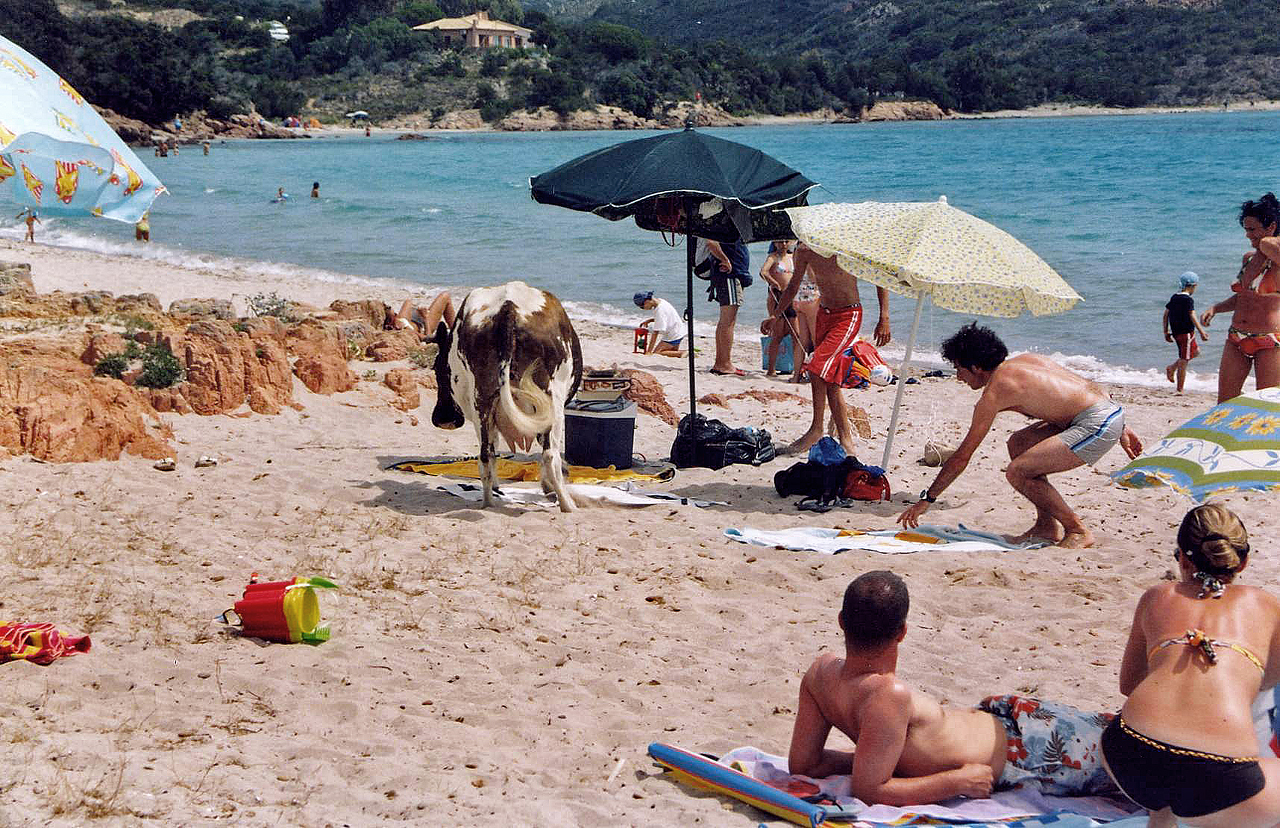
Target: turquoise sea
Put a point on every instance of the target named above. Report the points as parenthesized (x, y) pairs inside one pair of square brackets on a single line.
[(1119, 205)]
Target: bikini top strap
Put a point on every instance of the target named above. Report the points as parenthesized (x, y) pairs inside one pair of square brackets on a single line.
[(1198, 639)]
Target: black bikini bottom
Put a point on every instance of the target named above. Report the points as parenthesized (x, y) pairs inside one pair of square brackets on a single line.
[(1192, 783)]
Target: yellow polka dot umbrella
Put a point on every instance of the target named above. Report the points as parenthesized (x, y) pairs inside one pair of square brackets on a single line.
[(932, 249)]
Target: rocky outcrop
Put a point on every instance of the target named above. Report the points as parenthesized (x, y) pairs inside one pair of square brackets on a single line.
[(898, 111), (598, 117), (461, 119), (17, 299), (324, 373), (51, 411), (15, 278), (646, 392), (227, 368), (389, 346), (203, 308), (405, 384), (700, 113), (130, 130), (371, 311)]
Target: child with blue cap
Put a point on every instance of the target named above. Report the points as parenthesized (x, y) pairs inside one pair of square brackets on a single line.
[(668, 329), (1181, 326)]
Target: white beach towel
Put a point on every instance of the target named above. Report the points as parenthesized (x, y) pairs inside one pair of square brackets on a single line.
[(1021, 802), (581, 491), (888, 541)]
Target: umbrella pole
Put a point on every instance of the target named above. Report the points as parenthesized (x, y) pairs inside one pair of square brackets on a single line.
[(902, 382), (690, 247)]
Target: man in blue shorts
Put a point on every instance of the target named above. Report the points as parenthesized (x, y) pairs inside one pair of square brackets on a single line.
[(730, 273), (1077, 424)]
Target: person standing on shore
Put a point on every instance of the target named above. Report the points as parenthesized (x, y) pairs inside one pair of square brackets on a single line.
[(1253, 340), (730, 275), (839, 319), (142, 230), (32, 219), (1181, 326), (776, 272), (1077, 424)]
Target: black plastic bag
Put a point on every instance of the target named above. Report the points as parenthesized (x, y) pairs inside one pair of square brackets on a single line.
[(711, 444)]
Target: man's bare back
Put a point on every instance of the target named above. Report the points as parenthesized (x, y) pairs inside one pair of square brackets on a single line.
[(911, 749), (1042, 389)]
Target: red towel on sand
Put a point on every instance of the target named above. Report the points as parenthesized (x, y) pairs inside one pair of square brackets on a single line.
[(41, 643)]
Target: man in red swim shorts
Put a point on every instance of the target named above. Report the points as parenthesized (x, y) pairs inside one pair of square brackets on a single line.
[(839, 318)]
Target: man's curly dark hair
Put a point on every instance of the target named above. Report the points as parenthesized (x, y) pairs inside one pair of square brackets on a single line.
[(974, 346)]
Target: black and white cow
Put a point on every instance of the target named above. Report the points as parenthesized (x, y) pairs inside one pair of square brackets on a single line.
[(509, 364)]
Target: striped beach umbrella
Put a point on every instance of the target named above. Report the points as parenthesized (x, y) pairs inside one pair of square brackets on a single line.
[(57, 155), (1234, 446)]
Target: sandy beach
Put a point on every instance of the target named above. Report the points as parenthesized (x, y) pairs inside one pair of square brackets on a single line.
[(509, 665)]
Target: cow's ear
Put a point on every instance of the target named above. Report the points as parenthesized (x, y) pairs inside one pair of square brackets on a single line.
[(441, 337)]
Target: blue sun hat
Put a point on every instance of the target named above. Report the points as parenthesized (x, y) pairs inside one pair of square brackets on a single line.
[(1188, 279), (641, 297)]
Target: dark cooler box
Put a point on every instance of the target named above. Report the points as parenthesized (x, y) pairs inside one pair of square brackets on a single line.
[(599, 433)]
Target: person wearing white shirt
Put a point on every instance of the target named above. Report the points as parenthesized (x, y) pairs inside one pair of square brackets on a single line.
[(666, 328)]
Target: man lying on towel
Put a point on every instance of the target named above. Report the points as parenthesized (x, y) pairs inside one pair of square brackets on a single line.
[(911, 750)]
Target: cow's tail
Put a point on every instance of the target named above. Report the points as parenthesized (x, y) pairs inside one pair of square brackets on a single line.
[(526, 408)]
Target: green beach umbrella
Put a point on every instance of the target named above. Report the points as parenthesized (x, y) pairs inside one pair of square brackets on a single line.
[(681, 182)]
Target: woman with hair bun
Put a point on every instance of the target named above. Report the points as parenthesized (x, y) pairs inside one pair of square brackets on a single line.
[(1253, 340), (1200, 650)]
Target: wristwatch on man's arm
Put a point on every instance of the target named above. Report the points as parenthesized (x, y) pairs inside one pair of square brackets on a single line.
[(924, 495)]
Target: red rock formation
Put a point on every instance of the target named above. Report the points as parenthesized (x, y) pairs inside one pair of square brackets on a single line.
[(49, 411), (389, 346), (227, 368), (324, 373), (368, 310), (405, 384)]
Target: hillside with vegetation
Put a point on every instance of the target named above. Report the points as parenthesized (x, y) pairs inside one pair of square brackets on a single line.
[(153, 59)]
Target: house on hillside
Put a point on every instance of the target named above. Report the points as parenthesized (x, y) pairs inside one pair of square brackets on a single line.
[(277, 31), (477, 31)]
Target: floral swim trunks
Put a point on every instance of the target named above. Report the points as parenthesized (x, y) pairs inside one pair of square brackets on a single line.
[(1053, 746)]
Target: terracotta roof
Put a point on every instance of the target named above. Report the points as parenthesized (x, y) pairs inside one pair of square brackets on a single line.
[(473, 21)]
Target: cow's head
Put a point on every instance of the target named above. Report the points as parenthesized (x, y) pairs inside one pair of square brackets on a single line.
[(446, 414)]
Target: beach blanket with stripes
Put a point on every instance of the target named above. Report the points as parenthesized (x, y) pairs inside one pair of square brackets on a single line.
[(38, 643), (1022, 807), (890, 542)]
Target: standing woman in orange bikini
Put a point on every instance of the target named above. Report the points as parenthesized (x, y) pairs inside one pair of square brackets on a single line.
[(1200, 650), (1253, 340)]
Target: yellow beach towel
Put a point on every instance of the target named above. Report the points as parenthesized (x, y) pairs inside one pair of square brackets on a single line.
[(509, 468)]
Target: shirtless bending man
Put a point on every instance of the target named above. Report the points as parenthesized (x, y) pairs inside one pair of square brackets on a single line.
[(911, 750), (839, 318), (1078, 423)]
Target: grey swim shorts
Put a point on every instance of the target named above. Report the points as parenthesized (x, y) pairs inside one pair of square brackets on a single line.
[(1094, 431)]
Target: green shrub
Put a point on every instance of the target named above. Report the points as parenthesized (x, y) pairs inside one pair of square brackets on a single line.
[(160, 368), (132, 350), (270, 304), (112, 365)]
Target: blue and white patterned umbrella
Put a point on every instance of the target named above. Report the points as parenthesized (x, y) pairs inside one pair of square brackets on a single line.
[(57, 155), (1234, 446)]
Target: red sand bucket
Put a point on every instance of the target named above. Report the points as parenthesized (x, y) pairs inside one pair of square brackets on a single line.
[(284, 611)]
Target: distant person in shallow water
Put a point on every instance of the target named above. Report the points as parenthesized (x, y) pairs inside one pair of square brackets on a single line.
[(32, 219), (1253, 340), (315, 190), (1077, 424), (142, 230), (1181, 327), (1184, 745)]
